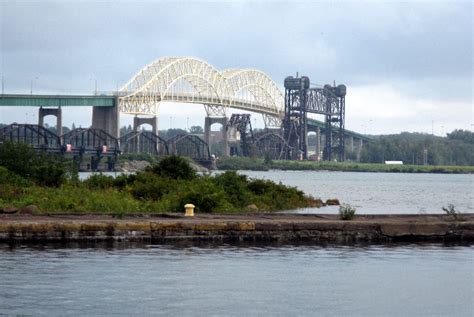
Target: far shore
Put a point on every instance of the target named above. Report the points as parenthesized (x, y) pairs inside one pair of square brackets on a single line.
[(245, 163)]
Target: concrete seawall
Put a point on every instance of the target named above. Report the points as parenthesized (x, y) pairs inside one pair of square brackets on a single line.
[(257, 227)]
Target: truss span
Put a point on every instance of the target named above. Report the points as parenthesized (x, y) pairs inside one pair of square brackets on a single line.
[(190, 80)]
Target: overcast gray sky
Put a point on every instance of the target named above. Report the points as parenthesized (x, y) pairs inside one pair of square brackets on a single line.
[(407, 64)]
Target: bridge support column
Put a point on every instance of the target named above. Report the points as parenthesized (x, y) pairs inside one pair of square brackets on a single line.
[(107, 119), (153, 121), (359, 149), (57, 112), (318, 144), (351, 143), (207, 131)]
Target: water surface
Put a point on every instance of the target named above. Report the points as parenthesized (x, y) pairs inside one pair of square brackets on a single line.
[(381, 193), (235, 280)]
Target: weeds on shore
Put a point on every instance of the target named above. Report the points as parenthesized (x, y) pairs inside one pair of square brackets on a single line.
[(454, 214), (346, 212)]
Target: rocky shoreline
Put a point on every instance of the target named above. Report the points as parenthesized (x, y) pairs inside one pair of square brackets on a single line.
[(226, 228)]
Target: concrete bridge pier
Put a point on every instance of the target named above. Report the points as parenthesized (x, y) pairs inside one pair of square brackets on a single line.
[(351, 143), (153, 121), (359, 149), (57, 112), (107, 119), (208, 122), (137, 122), (318, 144)]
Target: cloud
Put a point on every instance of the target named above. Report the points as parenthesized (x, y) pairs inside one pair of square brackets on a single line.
[(419, 54), (382, 109)]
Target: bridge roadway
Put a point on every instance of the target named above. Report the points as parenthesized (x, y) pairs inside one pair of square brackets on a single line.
[(57, 101)]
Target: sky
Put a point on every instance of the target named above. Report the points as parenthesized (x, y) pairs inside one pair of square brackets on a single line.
[(407, 65)]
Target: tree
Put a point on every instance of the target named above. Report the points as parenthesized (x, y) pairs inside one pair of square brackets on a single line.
[(196, 129)]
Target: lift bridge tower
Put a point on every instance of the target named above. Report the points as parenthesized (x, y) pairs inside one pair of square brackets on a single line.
[(300, 100)]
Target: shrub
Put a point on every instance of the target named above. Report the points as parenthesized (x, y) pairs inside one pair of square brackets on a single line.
[(9, 178), (346, 212), (235, 187), (205, 195), (18, 158), (43, 169), (174, 167), (49, 170), (453, 213), (99, 181), (271, 196), (123, 180), (150, 186)]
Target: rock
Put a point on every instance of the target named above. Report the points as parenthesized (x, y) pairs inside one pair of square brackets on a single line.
[(9, 210), (252, 208), (132, 166), (318, 203), (333, 202), (198, 168), (29, 210)]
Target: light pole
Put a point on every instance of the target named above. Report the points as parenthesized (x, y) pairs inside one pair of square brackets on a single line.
[(31, 84), (3, 86)]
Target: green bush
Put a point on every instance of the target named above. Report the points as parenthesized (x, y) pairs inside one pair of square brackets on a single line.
[(235, 187), (174, 167), (99, 181), (205, 195), (42, 168), (9, 178), (150, 186), (268, 195), (18, 158), (346, 212)]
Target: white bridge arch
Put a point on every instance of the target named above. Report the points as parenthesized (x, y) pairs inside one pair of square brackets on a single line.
[(191, 80)]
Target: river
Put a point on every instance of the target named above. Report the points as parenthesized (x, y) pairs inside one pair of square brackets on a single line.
[(237, 280)]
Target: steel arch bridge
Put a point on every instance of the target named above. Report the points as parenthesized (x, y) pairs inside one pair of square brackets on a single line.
[(191, 80)]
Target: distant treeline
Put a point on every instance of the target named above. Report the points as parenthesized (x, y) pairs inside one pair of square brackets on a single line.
[(457, 148)]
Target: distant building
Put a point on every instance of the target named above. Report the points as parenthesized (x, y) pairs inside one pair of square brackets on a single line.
[(394, 162)]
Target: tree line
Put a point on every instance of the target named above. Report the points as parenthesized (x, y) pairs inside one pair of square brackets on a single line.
[(457, 148)]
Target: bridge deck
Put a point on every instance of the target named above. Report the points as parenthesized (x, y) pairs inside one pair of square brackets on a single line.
[(56, 100), (322, 126)]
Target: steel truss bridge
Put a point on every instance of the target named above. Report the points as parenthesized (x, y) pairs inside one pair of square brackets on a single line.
[(97, 144)]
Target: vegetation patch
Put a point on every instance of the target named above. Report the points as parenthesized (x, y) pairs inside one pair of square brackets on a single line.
[(346, 212), (452, 213), (164, 187)]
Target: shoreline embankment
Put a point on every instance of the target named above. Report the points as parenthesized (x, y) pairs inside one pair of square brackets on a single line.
[(227, 228)]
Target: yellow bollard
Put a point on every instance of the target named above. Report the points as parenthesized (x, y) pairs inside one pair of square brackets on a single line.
[(189, 208)]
